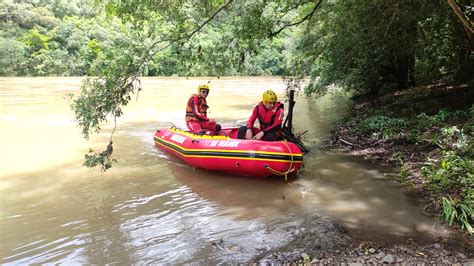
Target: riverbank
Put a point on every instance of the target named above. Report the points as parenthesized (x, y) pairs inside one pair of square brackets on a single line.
[(321, 240), (427, 132)]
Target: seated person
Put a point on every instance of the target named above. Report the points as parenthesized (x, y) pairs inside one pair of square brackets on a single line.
[(270, 114), (196, 113)]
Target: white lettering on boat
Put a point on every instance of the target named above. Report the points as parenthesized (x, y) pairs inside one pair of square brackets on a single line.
[(214, 143), (178, 138), (228, 143)]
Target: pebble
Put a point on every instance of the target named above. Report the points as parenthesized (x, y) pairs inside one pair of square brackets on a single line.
[(372, 250), (233, 248), (380, 255), (388, 259), (305, 256)]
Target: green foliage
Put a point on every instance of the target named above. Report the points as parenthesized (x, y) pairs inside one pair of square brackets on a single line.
[(45, 63), (26, 14), (105, 95), (367, 46), (94, 47), (67, 28), (398, 157), (443, 174), (437, 130), (452, 174), (103, 159), (363, 46), (458, 212), (36, 40), (404, 174), (55, 37), (443, 116), (12, 57), (382, 126), (441, 47)]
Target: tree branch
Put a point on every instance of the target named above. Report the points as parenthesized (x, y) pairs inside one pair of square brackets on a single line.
[(464, 20), (391, 20), (186, 36), (290, 8), (467, 24), (307, 17)]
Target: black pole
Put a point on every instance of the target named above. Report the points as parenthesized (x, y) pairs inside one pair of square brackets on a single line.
[(290, 110), (288, 125)]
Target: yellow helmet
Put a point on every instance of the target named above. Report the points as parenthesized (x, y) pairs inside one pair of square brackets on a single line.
[(203, 87), (269, 96)]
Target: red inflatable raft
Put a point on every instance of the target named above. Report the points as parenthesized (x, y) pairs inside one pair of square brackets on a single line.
[(226, 153)]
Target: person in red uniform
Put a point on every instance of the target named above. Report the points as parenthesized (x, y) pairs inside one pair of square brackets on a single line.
[(196, 113), (269, 113)]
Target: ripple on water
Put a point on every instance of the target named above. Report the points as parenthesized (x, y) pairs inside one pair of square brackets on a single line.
[(167, 232), (178, 226), (66, 250)]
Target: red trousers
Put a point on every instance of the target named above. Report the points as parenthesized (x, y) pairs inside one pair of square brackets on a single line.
[(200, 126)]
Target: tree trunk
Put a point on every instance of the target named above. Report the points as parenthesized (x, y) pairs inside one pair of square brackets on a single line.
[(402, 71)]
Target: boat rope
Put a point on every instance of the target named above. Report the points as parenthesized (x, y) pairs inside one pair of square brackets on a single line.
[(290, 169)]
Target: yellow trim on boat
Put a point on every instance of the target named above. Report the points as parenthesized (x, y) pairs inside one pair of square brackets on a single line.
[(196, 136), (226, 157), (236, 151)]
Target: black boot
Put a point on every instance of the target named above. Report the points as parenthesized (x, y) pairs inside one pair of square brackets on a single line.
[(242, 131), (218, 129)]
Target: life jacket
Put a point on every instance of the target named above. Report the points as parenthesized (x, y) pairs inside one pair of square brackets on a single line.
[(201, 106), (265, 117)]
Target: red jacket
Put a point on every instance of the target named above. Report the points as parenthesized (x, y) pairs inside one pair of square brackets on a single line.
[(270, 120), (196, 109)]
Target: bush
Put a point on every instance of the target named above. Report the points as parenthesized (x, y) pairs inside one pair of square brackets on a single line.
[(381, 125), (456, 211), (452, 176)]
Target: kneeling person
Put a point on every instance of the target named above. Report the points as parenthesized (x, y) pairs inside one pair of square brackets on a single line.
[(270, 115), (196, 113)]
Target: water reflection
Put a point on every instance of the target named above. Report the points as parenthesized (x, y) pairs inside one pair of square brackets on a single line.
[(243, 198), (363, 197)]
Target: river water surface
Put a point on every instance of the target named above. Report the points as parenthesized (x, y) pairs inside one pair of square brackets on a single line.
[(151, 208)]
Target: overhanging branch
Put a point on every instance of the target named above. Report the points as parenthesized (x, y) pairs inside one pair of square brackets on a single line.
[(466, 23), (188, 35), (464, 20), (307, 17)]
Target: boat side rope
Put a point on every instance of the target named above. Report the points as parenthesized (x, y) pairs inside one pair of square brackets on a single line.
[(290, 169), (196, 136)]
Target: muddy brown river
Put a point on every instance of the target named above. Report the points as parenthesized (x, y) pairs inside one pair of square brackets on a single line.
[(152, 208)]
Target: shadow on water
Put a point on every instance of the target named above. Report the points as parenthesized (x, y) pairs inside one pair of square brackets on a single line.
[(244, 198), (363, 196)]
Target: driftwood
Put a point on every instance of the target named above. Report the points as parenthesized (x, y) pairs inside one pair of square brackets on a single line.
[(346, 142)]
